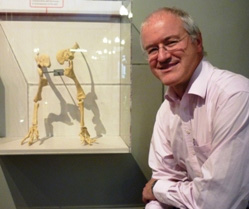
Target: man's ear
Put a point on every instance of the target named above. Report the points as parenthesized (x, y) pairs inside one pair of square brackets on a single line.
[(199, 42)]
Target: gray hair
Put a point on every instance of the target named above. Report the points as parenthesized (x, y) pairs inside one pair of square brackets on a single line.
[(188, 23)]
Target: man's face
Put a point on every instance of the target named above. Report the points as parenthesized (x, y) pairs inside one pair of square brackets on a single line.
[(173, 68)]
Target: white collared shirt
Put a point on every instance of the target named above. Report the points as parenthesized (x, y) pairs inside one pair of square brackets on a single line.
[(200, 144)]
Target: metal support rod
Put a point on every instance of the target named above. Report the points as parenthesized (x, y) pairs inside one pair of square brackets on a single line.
[(56, 72)]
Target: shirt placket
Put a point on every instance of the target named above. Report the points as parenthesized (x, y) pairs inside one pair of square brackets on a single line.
[(187, 132)]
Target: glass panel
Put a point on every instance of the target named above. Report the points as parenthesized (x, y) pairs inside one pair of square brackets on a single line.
[(93, 37)]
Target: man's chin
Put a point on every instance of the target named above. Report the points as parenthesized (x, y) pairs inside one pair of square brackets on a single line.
[(167, 81)]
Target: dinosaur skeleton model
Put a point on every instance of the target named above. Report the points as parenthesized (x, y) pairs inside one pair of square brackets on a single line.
[(43, 61)]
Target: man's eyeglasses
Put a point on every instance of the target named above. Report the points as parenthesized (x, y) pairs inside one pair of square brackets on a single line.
[(170, 46)]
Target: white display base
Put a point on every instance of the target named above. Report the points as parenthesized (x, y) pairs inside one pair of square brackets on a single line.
[(60, 145)]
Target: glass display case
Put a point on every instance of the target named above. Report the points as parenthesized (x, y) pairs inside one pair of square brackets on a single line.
[(97, 36)]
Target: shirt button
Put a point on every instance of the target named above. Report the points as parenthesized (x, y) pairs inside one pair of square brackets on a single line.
[(187, 131)]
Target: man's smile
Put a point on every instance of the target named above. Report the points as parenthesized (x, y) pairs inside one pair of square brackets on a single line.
[(168, 66)]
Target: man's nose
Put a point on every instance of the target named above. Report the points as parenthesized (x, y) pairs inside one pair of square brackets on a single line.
[(163, 54)]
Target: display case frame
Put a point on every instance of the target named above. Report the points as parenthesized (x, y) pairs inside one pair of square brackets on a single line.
[(102, 66)]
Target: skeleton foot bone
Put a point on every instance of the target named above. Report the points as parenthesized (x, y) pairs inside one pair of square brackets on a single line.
[(33, 131), (85, 137)]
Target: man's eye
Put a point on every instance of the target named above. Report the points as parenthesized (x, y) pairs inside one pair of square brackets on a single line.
[(172, 43), (152, 50)]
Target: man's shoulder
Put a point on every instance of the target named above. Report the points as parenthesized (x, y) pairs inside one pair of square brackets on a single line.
[(227, 81)]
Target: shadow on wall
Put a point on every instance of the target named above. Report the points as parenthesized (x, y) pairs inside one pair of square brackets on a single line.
[(2, 110), (74, 181)]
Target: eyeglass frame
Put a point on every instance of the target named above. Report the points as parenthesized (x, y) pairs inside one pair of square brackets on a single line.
[(155, 54)]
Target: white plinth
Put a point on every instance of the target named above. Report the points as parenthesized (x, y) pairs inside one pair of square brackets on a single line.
[(60, 145)]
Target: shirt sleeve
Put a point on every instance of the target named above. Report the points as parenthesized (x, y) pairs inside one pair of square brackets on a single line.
[(225, 174), (161, 160)]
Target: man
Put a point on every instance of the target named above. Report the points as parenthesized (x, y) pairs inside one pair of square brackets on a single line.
[(199, 151)]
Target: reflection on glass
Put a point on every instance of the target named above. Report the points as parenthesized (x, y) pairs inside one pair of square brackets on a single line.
[(123, 11), (117, 40), (123, 42)]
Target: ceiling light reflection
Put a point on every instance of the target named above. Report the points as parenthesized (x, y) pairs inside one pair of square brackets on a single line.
[(78, 50), (117, 40), (36, 50), (123, 11), (105, 40)]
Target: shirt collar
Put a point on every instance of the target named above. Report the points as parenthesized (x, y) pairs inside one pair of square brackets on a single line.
[(197, 85)]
